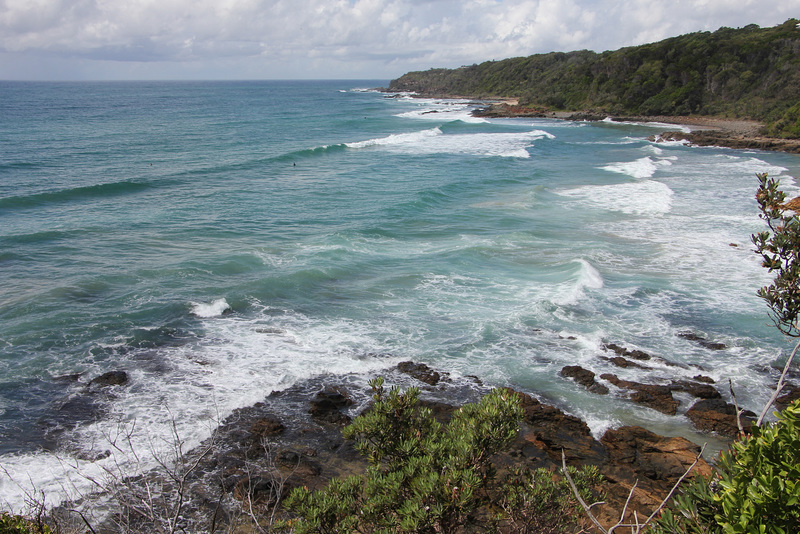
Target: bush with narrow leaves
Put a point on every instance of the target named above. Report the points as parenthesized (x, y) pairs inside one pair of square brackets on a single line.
[(426, 477)]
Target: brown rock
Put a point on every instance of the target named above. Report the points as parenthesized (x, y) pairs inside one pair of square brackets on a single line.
[(791, 395), (654, 463), (327, 403), (584, 377), (705, 379), (703, 342), (420, 371), (619, 361), (622, 351), (266, 427), (550, 430), (701, 391), (653, 396), (716, 415)]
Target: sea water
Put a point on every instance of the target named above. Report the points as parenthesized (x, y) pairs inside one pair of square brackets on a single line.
[(221, 240)]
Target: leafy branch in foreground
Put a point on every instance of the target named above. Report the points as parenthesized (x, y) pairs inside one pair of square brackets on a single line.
[(425, 476)]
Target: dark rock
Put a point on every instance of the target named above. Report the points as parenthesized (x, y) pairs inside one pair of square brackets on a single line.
[(653, 396), (67, 379), (327, 403), (584, 377), (622, 351), (651, 456), (791, 395), (706, 379), (701, 391), (420, 371), (703, 342), (619, 361), (550, 430), (266, 427), (716, 415), (111, 378)]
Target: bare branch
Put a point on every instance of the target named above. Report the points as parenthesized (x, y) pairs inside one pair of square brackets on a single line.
[(736, 407), (779, 387), (577, 494), (624, 510)]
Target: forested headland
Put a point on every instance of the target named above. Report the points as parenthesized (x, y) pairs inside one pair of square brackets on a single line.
[(745, 73)]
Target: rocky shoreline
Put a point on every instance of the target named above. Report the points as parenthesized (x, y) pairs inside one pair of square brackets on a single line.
[(704, 130), (293, 438)]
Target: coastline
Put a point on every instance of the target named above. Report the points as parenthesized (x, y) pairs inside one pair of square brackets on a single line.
[(703, 130)]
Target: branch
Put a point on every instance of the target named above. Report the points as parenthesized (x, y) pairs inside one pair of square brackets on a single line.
[(736, 407), (779, 387), (577, 494), (672, 491)]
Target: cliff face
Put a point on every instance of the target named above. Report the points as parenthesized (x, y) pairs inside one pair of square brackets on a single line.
[(749, 72)]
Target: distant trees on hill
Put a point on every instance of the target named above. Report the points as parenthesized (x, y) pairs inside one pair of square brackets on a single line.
[(748, 72)]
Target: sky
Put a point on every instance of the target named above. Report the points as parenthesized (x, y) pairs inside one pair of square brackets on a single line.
[(333, 39)]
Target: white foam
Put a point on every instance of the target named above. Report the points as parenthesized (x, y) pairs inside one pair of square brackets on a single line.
[(433, 141), (412, 138), (237, 363), (647, 197), (443, 111), (641, 168), (212, 309), (572, 291)]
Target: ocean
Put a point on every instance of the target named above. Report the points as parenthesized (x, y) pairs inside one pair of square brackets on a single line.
[(218, 241)]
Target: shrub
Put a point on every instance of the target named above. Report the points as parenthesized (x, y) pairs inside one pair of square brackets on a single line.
[(427, 477), (756, 490), (16, 524)]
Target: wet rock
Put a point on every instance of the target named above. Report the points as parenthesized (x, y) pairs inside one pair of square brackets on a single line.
[(718, 416), (792, 393), (654, 463), (111, 378), (653, 396), (619, 361), (546, 431), (622, 351), (420, 371), (704, 379), (648, 454), (327, 405), (266, 427), (703, 342), (584, 377), (701, 391)]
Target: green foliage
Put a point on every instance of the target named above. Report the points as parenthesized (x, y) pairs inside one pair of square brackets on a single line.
[(749, 72), (756, 490), (425, 476), (536, 502), (760, 479), (779, 247), (16, 524)]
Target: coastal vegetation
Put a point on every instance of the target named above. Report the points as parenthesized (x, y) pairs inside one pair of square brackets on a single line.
[(749, 72), (427, 477)]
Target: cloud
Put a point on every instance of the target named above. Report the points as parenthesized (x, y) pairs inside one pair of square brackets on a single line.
[(337, 38)]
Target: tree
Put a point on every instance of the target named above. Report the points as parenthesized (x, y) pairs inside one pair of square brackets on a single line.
[(779, 248)]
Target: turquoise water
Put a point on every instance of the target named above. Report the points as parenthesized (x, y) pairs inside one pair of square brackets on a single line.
[(218, 241)]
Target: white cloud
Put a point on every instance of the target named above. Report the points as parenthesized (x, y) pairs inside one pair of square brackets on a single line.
[(334, 38)]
